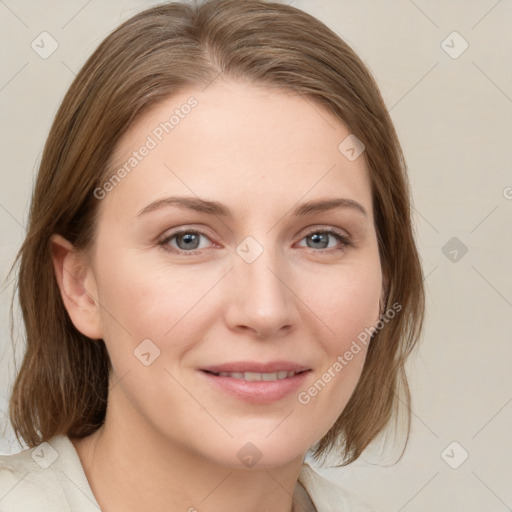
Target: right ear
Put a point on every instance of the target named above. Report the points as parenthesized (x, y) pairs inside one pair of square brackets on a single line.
[(77, 287)]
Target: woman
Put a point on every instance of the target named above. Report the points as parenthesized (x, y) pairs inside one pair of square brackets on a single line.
[(219, 272)]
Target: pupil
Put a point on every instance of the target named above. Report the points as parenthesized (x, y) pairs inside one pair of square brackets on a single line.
[(321, 238), (191, 240)]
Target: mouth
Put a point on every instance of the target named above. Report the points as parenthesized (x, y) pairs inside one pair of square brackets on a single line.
[(257, 383), (257, 376)]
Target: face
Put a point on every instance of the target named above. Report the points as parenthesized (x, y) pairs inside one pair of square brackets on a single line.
[(266, 264)]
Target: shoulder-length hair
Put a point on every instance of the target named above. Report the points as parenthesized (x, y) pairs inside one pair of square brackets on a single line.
[(62, 384)]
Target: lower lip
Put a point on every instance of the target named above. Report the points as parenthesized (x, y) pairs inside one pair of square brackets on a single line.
[(258, 392)]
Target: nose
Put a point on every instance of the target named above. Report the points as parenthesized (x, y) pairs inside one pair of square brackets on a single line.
[(261, 298)]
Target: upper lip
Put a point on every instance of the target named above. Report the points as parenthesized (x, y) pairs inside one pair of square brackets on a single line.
[(254, 366)]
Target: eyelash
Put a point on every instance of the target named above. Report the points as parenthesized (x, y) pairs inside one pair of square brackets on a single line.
[(345, 241)]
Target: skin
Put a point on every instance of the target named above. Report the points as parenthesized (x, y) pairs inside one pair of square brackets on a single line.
[(170, 439)]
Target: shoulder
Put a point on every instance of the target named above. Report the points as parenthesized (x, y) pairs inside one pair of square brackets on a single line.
[(329, 497), (46, 478), (27, 481)]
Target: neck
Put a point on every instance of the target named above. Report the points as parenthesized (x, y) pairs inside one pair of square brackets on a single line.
[(131, 467)]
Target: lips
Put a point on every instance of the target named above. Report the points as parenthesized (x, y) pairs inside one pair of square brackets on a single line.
[(257, 376), (258, 383), (256, 367)]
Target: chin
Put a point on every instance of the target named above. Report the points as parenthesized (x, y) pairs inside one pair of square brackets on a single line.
[(261, 452)]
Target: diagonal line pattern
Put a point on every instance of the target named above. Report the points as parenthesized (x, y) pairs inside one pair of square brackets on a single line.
[(112, 388), (74, 74), (425, 219), (430, 273), (415, 415), (13, 487), (492, 81), (503, 407), (67, 476), (90, 295), (2, 2), (211, 82), (492, 492), (490, 284), (418, 492), (414, 86), (219, 218), (424, 14), (280, 423), (485, 14), (492, 211), (217, 486), (294, 501), (301, 301), (76, 14), (199, 403), (13, 77), (193, 306), (12, 217), (316, 110), (302, 197)]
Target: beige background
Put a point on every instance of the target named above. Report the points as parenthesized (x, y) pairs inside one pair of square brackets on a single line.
[(453, 114)]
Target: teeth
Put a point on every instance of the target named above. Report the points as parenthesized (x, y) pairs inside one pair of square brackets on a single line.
[(252, 376)]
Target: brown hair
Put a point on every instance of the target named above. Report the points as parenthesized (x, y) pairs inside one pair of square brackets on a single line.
[(62, 384)]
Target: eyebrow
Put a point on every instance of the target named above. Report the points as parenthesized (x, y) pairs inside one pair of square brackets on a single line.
[(216, 208)]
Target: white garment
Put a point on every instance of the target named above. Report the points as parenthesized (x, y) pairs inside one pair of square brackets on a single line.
[(50, 478)]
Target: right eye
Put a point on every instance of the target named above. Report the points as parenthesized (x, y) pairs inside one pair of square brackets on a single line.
[(184, 241)]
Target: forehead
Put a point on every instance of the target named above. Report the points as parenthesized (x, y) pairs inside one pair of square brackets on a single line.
[(242, 141)]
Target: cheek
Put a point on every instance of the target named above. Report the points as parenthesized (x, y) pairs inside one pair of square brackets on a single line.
[(147, 331), (346, 302), (143, 300), (347, 307)]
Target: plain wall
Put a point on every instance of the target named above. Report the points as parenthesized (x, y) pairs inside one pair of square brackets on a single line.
[(453, 115)]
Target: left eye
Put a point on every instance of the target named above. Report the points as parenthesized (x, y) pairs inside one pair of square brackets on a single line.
[(321, 239)]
